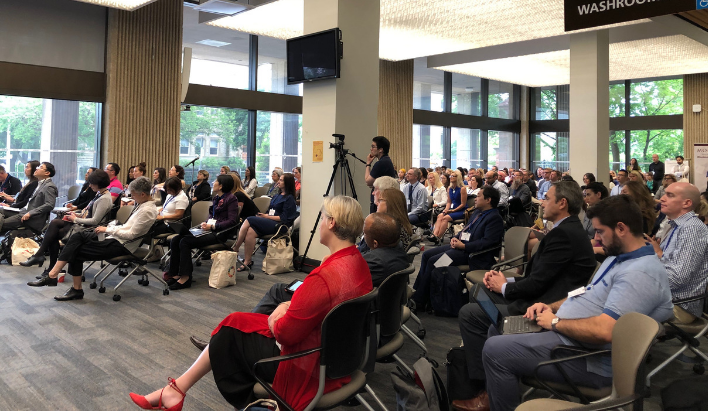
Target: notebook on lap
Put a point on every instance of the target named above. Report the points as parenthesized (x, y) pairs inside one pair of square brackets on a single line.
[(516, 324)]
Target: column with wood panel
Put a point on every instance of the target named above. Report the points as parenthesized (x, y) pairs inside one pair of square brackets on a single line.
[(395, 115), (695, 125), (143, 63)]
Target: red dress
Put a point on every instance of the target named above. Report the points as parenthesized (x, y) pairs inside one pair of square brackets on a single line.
[(343, 276)]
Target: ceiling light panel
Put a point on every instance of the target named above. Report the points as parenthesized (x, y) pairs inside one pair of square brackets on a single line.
[(282, 19), (128, 5), (658, 57)]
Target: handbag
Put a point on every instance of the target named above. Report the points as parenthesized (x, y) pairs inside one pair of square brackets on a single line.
[(279, 256), (262, 405), (223, 269), (75, 228), (22, 249), (459, 385)]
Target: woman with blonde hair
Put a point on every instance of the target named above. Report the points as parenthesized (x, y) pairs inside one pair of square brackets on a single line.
[(402, 178), (393, 202), (247, 208), (454, 209), (436, 189), (639, 193)]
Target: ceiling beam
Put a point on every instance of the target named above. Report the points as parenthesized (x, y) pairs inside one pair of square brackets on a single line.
[(681, 26)]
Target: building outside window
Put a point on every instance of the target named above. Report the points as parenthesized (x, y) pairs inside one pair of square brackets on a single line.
[(501, 100), (183, 147), (214, 147), (278, 143)]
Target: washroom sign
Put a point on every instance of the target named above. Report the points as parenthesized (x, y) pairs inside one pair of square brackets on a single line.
[(583, 14)]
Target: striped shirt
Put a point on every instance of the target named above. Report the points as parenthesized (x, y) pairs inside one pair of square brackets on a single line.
[(685, 258)]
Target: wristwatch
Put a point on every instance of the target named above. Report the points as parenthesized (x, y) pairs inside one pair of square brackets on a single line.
[(368, 165), (554, 322)]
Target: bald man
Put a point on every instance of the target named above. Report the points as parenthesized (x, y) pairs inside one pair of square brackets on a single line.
[(683, 250), (385, 256)]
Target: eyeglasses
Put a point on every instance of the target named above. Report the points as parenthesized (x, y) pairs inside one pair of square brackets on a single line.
[(374, 146)]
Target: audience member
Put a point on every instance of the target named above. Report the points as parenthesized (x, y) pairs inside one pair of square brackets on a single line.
[(23, 197), (454, 208), (115, 187), (416, 197), (95, 213), (656, 168), (383, 167), (436, 189), (200, 189), (384, 183), (297, 173), (159, 176), (519, 189), (247, 208), (88, 246), (475, 185), (223, 214), (684, 251), (667, 181), (643, 198), (492, 180), (178, 171), (33, 215), (249, 182), (423, 176), (86, 194), (539, 175), (176, 202), (243, 338), (622, 179), (630, 280), (593, 193), (634, 165), (564, 261), (393, 202), (281, 211), (484, 230), (140, 170), (224, 170), (588, 178), (680, 170), (402, 178), (544, 184), (530, 183), (9, 185), (129, 179), (275, 185)]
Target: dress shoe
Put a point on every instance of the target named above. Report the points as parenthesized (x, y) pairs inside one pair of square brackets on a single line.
[(478, 403), (34, 260), (71, 294), (45, 273), (179, 286), (201, 344), (49, 281)]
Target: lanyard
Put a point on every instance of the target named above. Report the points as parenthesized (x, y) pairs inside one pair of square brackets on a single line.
[(669, 240), (167, 202), (609, 267)]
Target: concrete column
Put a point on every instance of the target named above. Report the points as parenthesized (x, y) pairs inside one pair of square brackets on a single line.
[(590, 104), (347, 105)]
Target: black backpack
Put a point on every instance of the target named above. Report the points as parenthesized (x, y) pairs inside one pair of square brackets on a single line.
[(447, 291)]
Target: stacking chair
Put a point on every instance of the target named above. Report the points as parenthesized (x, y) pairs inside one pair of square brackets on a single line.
[(198, 213), (347, 334), (426, 222), (470, 203), (689, 335), (515, 254), (632, 337), (73, 192), (262, 203), (260, 191)]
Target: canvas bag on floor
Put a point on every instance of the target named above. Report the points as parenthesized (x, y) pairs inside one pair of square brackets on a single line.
[(22, 249), (223, 269), (279, 257)]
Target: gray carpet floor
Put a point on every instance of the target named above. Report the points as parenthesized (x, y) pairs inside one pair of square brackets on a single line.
[(89, 354)]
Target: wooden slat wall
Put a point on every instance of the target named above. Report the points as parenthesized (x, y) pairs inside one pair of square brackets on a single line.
[(695, 125), (699, 17), (142, 116), (395, 120)]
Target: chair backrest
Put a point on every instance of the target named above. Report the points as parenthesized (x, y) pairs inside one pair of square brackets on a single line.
[(200, 212), (124, 213), (430, 202), (470, 201), (262, 203), (393, 294), (267, 186), (515, 241), (632, 337), (411, 253), (260, 191), (345, 332), (73, 192)]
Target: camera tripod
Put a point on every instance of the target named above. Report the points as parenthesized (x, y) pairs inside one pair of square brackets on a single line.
[(345, 178)]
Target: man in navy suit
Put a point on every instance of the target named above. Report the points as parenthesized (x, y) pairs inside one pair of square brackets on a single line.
[(484, 230)]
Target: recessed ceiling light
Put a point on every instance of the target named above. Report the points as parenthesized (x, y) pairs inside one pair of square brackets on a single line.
[(128, 5), (213, 43)]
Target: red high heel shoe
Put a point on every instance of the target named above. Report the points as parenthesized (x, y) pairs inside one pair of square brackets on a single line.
[(141, 402)]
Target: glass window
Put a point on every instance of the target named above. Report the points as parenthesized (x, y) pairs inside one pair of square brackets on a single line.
[(227, 128), (272, 68), (656, 98), (64, 133), (550, 150), (546, 103), (466, 94), (427, 146), (617, 100), (501, 149), (617, 150), (184, 147), (278, 143), (428, 87), (501, 100), (466, 148), (665, 143)]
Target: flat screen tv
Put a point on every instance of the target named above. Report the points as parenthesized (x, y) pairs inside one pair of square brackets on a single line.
[(314, 57)]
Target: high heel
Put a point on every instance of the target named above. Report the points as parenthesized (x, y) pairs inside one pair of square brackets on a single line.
[(143, 403), (35, 259)]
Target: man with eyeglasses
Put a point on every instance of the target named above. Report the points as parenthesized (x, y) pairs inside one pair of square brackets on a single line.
[(492, 180), (116, 187), (383, 167), (622, 179), (40, 204)]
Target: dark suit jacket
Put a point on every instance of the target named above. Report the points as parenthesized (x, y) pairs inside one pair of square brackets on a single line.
[(485, 233), (11, 185), (201, 191), (84, 198), (24, 195), (383, 262), (41, 204), (564, 262)]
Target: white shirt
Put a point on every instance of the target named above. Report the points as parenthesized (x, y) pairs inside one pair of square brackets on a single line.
[(138, 224), (680, 171), (174, 203), (439, 195)]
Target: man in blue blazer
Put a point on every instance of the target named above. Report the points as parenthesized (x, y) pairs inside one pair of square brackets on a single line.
[(484, 230)]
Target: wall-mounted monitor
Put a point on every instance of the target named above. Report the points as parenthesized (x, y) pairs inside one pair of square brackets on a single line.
[(314, 56)]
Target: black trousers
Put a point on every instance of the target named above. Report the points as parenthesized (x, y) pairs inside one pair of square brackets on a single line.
[(10, 220), (232, 354), (181, 252), (272, 299), (56, 231), (84, 246)]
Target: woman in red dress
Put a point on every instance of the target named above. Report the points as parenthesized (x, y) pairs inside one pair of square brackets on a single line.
[(244, 338)]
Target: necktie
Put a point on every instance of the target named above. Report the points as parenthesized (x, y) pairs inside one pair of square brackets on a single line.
[(410, 198)]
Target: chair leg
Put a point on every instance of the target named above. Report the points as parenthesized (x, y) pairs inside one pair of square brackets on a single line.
[(402, 364), (663, 365), (417, 341), (100, 285), (524, 396), (374, 396), (130, 274), (95, 277)]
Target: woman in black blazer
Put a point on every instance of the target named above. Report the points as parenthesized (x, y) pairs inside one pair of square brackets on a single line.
[(200, 189), (23, 197), (85, 195)]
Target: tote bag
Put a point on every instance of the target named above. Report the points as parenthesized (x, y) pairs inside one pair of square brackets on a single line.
[(223, 269), (22, 249), (279, 257)]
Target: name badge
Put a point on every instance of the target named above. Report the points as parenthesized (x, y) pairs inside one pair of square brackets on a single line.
[(577, 292), (465, 237), (211, 221), (271, 212)]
